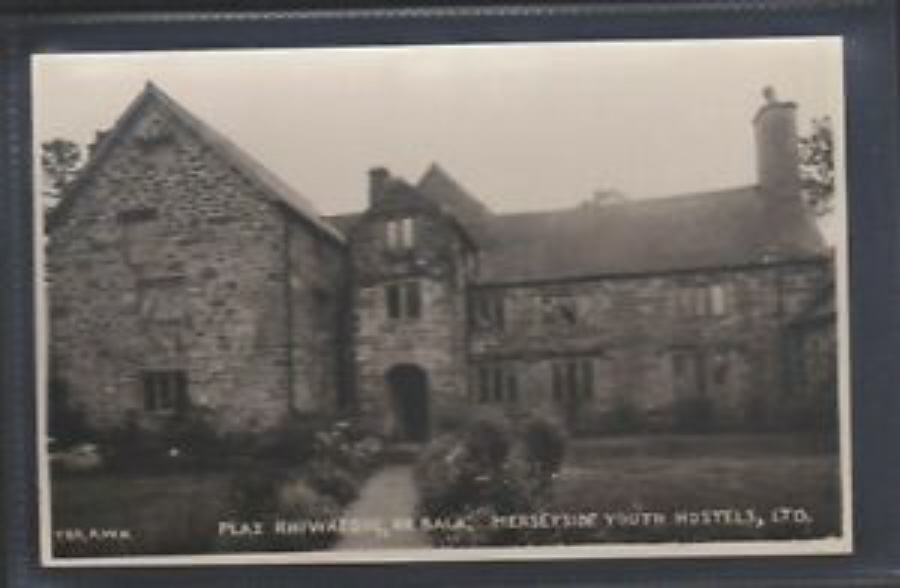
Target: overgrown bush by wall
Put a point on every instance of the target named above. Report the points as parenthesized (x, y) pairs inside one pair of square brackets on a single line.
[(490, 469), (306, 473)]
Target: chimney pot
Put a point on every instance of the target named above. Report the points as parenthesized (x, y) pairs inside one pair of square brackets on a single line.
[(777, 155), (378, 181)]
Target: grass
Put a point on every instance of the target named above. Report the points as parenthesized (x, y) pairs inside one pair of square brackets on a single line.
[(178, 513), (668, 475), (165, 513)]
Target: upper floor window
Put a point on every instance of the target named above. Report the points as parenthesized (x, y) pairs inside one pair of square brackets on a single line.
[(165, 391), (572, 380), (496, 383), (560, 311), (488, 310), (400, 234), (705, 300), (404, 299)]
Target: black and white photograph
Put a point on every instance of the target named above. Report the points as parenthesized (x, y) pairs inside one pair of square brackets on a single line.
[(497, 301)]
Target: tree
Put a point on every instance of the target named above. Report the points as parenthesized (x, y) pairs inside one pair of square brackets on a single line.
[(60, 161), (817, 167)]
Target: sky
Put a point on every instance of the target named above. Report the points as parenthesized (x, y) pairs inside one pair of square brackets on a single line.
[(522, 126)]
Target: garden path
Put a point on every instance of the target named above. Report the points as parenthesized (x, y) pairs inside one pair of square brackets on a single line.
[(389, 498)]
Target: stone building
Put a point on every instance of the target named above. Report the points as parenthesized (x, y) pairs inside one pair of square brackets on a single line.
[(184, 275)]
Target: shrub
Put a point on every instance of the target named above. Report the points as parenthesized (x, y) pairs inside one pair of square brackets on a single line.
[(180, 441), (298, 501), (332, 480), (268, 495), (694, 415), (66, 424), (544, 446), (191, 436), (254, 492), (488, 441), (624, 418), (475, 475), (128, 447), (292, 442)]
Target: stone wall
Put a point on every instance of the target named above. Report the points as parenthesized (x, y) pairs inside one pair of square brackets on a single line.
[(319, 294), (434, 341), (167, 258), (632, 328)]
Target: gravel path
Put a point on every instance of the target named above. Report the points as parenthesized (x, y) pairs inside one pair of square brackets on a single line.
[(387, 502)]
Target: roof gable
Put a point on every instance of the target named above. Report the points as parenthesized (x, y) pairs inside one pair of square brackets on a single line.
[(442, 189), (250, 169)]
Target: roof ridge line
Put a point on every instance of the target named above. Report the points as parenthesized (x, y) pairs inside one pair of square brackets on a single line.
[(252, 169)]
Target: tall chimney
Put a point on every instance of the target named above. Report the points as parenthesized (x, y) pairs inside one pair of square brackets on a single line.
[(777, 156), (379, 177)]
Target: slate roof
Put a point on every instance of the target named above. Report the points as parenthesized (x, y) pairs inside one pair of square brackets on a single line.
[(442, 189), (724, 228), (253, 171), (698, 231)]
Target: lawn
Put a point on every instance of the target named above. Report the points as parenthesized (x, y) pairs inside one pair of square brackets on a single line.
[(685, 480), (624, 477), (173, 513)]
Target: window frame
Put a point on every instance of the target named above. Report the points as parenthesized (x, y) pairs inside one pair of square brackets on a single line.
[(400, 234), (702, 300), (573, 379), (488, 311), (497, 383), (404, 300), (165, 391)]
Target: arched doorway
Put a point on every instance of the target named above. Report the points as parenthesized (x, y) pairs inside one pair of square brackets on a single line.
[(408, 385)]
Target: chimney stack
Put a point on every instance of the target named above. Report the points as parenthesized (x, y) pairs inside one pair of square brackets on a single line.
[(379, 177), (777, 156)]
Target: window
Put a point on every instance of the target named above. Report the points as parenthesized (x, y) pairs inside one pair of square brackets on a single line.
[(560, 311), (706, 300), (165, 391), (400, 234), (717, 299), (488, 310), (572, 380), (497, 383), (404, 300)]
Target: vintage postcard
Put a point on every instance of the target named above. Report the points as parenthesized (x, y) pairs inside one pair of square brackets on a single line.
[(493, 301)]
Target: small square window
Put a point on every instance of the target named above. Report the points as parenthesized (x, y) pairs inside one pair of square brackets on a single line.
[(404, 300), (497, 383), (400, 234), (573, 380), (165, 391)]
